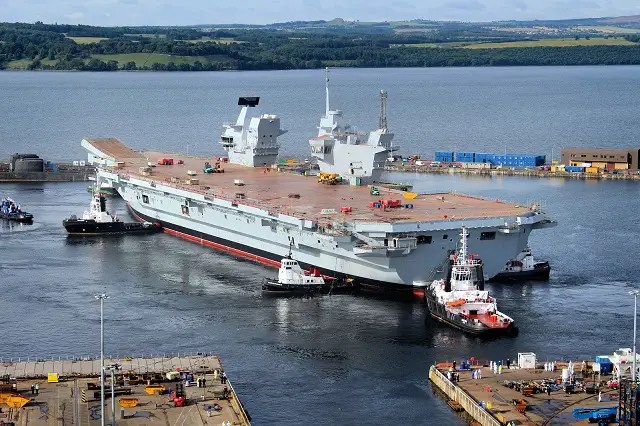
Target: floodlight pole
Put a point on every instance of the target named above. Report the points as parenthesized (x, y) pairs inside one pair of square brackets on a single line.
[(113, 397), (101, 298), (634, 293)]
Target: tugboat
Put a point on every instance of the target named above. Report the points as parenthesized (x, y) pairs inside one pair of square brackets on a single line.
[(294, 281), (461, 301), (524, 268), (98, 221), (9, 210)]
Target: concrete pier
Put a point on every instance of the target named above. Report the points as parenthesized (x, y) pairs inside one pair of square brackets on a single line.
[(532, 172), (75, 399), (57, 172), (457, 394), (90, 367), (499, 408)]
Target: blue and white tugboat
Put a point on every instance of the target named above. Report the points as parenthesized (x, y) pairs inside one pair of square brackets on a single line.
[(98, 221), (461, 301), (10, 210)]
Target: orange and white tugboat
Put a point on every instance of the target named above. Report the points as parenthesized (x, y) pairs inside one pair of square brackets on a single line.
[(461, 301)]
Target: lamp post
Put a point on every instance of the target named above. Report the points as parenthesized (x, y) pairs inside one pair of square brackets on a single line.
[(101, 298), (635, 294), (112, 368)]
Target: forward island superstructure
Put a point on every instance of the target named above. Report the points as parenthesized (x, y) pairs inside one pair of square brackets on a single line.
[(258, 212)]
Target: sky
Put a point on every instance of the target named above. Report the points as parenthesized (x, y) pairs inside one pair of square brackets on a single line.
[(193, 12)]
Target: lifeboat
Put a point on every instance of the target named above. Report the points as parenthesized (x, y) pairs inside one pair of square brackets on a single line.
[(458, 302)]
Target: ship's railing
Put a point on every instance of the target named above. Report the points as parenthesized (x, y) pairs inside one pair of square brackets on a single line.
[(270, 209), (533, 205), (326, 225)]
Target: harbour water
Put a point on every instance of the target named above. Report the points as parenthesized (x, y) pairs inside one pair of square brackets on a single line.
[(331, 360), (533, 110)]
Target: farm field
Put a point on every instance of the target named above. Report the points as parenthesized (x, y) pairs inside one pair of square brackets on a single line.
[(554, 42), (435, 45), (86, 40), (609, 29), (224, 40), (427, 45), (148, 59), (146, 35), (22, 64)]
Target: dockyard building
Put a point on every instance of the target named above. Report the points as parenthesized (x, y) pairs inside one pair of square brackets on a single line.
[(609, 159)]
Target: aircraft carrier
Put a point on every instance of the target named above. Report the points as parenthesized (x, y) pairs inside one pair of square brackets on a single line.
[(257, 211)]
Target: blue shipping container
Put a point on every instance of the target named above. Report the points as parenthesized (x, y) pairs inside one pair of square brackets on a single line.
[(510, 160), (606, 367), (574, 169), (465, 157)]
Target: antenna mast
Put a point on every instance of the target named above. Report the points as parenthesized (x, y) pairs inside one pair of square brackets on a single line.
[(462, 255), (382, 125), (326, 79)]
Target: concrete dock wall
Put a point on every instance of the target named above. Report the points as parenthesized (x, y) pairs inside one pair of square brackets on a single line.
[(455, 393), (72, 176), (24, 369), (620, 175)]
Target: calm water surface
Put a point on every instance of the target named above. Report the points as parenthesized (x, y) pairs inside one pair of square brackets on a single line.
[(523, 109), (331, 360)]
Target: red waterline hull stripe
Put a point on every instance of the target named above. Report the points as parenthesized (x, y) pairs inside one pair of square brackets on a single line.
[(212, 244), (417, 293)]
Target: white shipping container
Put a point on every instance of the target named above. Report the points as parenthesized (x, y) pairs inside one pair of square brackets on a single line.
[(526, 360)]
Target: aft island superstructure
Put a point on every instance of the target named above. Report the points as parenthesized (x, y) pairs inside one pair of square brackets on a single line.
[(256, 211)]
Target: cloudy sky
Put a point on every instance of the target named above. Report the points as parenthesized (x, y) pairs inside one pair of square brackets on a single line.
[(188, 12)]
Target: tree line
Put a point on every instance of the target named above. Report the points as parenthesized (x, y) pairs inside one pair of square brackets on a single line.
[(49, 47)]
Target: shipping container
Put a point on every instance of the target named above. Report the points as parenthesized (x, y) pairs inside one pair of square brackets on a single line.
[(444, 158), (465, 156), (591, 170), (483, 158), (574, 169), (510, 160)]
